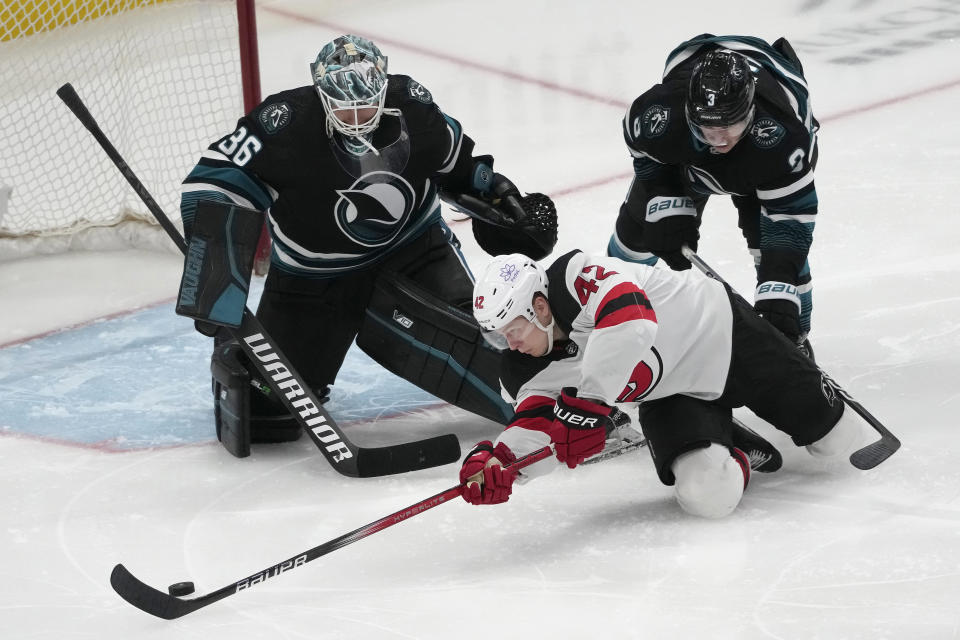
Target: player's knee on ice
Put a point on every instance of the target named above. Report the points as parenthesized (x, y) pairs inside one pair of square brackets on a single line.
[(849, 434), (709, 481)]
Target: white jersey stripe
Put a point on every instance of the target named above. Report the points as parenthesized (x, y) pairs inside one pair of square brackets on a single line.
[(774, 194)]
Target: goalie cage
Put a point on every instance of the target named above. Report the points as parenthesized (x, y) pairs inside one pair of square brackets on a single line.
[(169, 77)]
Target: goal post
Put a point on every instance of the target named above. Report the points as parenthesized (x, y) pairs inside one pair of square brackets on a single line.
[(164, 78)]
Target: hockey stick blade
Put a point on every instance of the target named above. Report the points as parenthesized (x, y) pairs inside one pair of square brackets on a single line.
[(344, 456), (873, 454), (166, 606), (409, 456), (154, 602)]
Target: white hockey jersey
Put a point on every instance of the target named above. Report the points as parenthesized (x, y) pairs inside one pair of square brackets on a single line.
[(635, 333)]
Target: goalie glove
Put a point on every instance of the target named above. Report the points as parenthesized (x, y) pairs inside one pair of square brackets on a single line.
[(580, 427), (514, 223), (483, 477)]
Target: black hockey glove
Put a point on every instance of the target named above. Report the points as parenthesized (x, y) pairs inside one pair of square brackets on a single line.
[(782, 314), (666, 237), (514, 223)]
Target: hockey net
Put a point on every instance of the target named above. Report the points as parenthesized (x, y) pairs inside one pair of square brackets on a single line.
[(164, 78)]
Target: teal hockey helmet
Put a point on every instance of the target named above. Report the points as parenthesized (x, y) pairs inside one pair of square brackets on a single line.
[(350, 76)]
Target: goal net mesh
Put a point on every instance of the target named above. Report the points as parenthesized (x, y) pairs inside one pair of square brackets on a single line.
[(162, 78)]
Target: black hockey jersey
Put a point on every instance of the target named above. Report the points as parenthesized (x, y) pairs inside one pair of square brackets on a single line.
[(773, 162), (772, 166), (329, 210)]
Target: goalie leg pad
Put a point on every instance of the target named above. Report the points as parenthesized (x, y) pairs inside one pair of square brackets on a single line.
[(244, 414), (434, 345), (231, 399)]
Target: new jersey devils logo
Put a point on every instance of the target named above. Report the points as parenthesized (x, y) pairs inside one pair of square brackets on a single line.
[(375, 208), (645, 377)]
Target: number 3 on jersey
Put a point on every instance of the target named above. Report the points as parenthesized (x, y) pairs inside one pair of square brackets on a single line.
[(243, 145), (585, 288)]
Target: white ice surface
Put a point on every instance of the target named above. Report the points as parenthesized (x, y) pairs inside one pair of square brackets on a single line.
[(602, 551)]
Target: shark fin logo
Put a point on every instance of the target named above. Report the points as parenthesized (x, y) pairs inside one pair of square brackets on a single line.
[(375, 208), (419, 92), (655, 120), (275, 117), (767, 133)]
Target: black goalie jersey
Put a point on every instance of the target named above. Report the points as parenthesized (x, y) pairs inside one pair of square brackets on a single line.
[(331, 211)]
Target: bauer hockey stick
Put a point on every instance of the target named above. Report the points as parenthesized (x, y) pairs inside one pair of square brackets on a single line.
[(168, 606), (864, 458), (343, 455), (626, 444)]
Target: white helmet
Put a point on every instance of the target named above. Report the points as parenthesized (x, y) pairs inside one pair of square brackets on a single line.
[(504, 291)]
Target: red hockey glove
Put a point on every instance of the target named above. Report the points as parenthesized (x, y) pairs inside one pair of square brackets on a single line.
[(484, 479), (580, 427)]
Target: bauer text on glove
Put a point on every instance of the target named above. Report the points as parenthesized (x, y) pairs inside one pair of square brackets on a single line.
[(580, 427)]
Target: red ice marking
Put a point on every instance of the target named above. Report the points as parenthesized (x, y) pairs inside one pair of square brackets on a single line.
[(108, 445), (894, 100), (87, 323), (441, 55), (579, 93)]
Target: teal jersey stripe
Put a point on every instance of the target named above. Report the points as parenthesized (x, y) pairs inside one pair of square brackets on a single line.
[(786, 234), (329, 267), (233, 179), (806, 203)]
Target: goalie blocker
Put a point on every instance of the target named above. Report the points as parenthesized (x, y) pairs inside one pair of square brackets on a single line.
[(218, 264), (407, 330)]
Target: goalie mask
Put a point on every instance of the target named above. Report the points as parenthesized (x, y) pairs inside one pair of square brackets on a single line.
[(504, 292), (350, 76)]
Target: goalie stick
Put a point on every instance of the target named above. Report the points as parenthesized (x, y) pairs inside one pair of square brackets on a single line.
[(864, 458), (297, 396), (166, 606)]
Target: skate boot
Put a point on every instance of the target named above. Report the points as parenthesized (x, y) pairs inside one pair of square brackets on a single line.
[(623, 438), (762, 455)]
